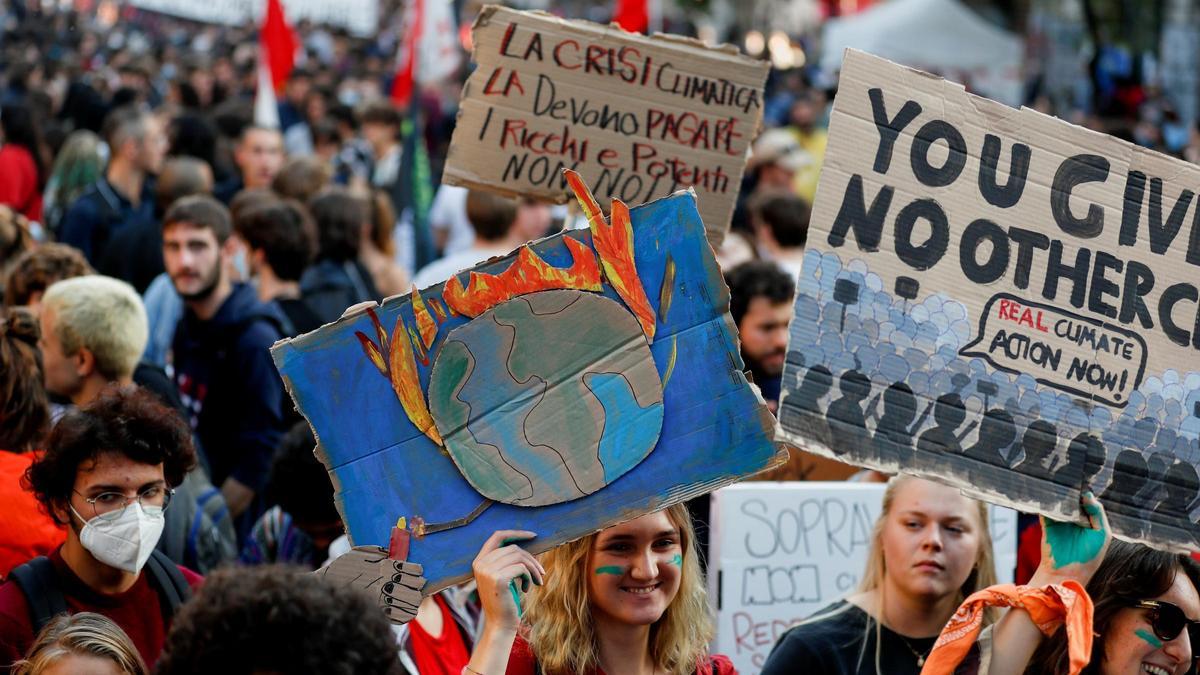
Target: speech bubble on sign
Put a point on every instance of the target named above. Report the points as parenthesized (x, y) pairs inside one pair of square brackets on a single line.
[(1061, 349)]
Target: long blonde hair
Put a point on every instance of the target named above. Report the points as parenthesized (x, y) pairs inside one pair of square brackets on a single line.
[(982, 575), (558, 616), (84, 633)]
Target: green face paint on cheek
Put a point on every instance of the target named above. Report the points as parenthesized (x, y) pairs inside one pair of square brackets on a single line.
[(611, 569), (1150, 638), (677, 560)]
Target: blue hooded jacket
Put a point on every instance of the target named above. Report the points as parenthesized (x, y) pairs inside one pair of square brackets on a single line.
[(229, 384)]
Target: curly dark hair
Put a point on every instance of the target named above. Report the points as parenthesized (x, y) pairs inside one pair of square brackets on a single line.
[(284, 232), (125, 420), (754, 279), (340, 217), (23, 406), (39, 267), (278, 619), (1129, 574)]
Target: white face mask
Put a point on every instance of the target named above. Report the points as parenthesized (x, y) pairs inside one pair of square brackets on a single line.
[(126, 541)]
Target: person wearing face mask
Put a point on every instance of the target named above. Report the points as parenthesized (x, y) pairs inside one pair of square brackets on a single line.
[(629, 599), (107, 474), (930, 550)]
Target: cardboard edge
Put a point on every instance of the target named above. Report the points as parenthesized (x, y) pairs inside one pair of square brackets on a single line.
[(686, 45)]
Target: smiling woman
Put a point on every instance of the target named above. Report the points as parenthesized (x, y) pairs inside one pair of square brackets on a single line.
[(628, 599), (930, 549), (1146, 611)]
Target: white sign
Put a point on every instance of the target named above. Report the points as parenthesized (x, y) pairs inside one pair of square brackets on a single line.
[(360, 17), (782, 551)]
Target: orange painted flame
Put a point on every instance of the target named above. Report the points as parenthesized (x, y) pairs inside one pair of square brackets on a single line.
[(614, 243), (527, 274), (425, 323), (401, 370), (407, 384), (439, 312)]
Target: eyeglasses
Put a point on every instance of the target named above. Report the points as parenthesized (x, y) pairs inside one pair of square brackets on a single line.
[(1168, 621), (110, 505)]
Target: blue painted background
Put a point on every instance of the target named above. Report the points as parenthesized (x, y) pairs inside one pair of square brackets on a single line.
[(714, 429)]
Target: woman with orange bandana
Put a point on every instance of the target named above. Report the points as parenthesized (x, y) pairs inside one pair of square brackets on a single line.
[(1138, 615)]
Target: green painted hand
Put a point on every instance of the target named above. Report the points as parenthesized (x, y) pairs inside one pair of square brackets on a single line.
[(1073, 550)]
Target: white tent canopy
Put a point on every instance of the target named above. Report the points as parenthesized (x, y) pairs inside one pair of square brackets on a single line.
[(940, 36)]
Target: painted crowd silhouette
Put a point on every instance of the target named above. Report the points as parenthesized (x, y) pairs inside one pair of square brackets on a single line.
[(878, 377)]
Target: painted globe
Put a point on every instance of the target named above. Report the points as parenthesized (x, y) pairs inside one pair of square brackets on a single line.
[(547, 397)]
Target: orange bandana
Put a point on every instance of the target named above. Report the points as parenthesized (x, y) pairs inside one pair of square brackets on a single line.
[(1049, 607)]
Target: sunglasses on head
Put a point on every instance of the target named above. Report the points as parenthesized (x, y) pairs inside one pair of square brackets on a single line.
[(1168, 621)]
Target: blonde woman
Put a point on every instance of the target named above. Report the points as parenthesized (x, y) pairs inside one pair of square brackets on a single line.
[(82, 643), (930, 549), (628, 600)]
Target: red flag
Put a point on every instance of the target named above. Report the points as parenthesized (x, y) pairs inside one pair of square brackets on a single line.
[(632, 15), (429, 51), (402, 84), (279, 43)]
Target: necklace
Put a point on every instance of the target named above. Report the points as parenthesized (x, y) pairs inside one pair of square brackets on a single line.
[(919, 655)]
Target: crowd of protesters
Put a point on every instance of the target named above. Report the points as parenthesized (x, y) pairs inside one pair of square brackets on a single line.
[(162, 501)]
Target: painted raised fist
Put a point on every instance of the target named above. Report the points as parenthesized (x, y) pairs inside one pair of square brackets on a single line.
[(395, 583)]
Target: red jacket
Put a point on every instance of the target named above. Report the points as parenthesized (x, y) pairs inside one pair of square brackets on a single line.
[(26, 531), (522, 662), (19, 188)]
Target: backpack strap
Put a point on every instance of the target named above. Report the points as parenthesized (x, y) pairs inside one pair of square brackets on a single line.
[(39, 582), (192, 544), (173, 589)]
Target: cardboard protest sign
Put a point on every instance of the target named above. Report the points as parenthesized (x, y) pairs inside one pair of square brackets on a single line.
[(580, 381), (782, 551), (639, 117), (1003, 300), (360, 17)]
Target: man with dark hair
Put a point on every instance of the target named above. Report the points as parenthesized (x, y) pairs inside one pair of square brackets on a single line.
[(780, 221), (259, 156), (222, 361), (337, 279), (760, 302), (135, 253), (280, 237), (277, 619), (495, 220), (124, 196), (380, 122), (107, 474)]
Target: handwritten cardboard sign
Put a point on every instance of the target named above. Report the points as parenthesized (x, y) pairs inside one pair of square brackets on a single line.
[(782, 551), (577, 382), (640, 117), (1002, 300)]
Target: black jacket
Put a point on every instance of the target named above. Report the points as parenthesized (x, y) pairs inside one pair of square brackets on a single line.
[(230, 386)]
